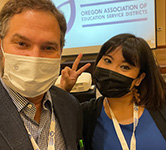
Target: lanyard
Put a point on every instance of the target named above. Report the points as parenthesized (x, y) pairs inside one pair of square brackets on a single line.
[(51, 139), (119, 131)]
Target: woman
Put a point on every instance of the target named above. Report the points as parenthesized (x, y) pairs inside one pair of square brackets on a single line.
[(131, 113)]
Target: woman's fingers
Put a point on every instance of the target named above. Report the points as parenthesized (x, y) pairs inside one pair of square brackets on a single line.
[(76, 62), (82, 69)]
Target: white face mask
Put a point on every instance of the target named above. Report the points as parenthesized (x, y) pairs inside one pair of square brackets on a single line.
[(30, 76)]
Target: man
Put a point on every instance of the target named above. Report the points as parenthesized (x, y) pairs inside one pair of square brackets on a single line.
[(32, 117)]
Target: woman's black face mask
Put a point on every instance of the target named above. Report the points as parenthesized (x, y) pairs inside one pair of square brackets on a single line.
[(111, 84)]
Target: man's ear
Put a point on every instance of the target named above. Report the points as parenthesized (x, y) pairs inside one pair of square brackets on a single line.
[(0, 43), (139, 79)]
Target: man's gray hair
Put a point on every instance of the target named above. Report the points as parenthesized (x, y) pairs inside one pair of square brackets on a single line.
[(13, 7)]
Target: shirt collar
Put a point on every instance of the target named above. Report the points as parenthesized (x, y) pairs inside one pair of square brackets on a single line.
[(21, 102)]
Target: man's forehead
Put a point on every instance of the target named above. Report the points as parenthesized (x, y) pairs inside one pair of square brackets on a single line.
[(23, 25)]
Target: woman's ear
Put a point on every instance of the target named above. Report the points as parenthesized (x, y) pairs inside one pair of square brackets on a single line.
[(139, 79)]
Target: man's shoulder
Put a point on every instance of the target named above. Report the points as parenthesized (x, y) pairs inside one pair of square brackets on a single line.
[(56, 91), (63, 96), (3, 91), (93, 103)]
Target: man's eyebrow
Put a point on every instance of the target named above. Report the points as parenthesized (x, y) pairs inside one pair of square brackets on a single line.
[(18, 36), (51, 43), (15, 36)]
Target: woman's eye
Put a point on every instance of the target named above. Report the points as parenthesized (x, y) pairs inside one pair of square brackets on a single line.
[(125, 67), (107, 60)]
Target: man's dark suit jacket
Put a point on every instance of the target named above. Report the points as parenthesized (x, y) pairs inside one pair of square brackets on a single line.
[(13, 135)]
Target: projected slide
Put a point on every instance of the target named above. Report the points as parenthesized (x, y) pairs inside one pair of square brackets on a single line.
[(92, 22)]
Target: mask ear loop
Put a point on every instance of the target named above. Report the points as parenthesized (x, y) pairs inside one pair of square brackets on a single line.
[(1, 59), (2, 49), (136, 96)]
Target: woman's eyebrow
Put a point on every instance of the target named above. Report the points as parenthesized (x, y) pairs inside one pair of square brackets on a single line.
[(124, 61), (108, 56)]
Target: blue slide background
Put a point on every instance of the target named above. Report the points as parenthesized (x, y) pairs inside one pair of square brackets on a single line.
[(91, 23)]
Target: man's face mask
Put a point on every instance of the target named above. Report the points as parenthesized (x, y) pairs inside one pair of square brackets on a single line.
[(30, 76), (112, 84)]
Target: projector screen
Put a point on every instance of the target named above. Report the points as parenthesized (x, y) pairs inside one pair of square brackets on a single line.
[(92, 22)]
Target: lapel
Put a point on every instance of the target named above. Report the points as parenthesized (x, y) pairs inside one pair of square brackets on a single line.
[(11, 125), (63, 113)]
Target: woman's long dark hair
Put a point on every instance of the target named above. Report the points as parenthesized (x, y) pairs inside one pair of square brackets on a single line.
[(137, 52)]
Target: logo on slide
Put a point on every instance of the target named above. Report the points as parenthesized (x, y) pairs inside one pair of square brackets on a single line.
[(72, 6)]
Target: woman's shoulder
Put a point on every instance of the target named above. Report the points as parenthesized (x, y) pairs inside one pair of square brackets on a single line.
[(159, 116), (158, 112)]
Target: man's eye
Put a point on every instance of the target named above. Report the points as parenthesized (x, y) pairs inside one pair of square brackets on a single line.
[(21, 44), (48, 48)]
